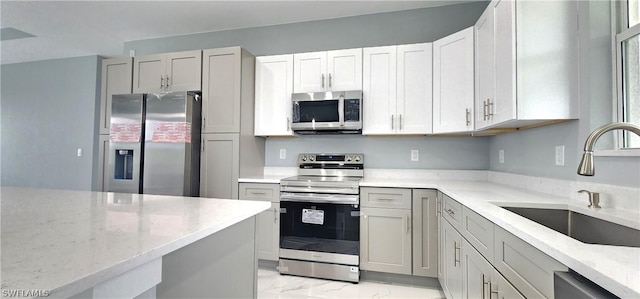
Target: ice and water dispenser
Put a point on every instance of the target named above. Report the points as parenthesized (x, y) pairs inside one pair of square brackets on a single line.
[(123, 169)]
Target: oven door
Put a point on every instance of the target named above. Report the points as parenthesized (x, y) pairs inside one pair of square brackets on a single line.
[(320, 231)]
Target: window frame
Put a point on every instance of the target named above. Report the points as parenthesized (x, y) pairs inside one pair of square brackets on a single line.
[(620, 32)]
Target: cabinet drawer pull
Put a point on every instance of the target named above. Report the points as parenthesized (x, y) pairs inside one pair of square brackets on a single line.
[(456, 254), (491, 291), (466, 115), (489, 109), (484, 291), (484, 110), (450, 212), (408, 224), (258, 193)]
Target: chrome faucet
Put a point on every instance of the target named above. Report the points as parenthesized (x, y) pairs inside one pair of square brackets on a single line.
[(586, 166), (594, 198)]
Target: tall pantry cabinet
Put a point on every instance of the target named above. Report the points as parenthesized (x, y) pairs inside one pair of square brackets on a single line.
[(229, 148), (116, 77)]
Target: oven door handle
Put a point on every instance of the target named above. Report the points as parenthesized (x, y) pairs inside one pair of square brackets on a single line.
[(320, 198), (316, 190)]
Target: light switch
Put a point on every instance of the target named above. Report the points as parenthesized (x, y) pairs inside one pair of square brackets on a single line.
[(283, 153), (80, 152), (501, 156)]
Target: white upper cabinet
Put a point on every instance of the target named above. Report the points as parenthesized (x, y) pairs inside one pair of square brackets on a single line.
[(485, 68), (414, 89), (274, 85), (526, 78), (379, 90), (116, 79), (397, 88), (178, 71), (453, 83), (328, 71)]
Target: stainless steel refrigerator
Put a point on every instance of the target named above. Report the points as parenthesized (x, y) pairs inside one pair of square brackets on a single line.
[(154, 143)]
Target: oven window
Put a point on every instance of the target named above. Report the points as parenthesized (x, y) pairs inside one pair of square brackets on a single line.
[(321, 227), (318, 111)]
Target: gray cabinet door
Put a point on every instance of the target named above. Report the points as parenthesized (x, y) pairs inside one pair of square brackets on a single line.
[(219, 166), (102, 175), (425, 230), (268, 233), (502, 288), (477, 272), (149, 73), (116, 79), (385, 240), (527, 268), (451, 255), (268, 230), (221, 86)]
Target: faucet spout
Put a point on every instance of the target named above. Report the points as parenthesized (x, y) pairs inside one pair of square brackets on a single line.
[(586, 166)]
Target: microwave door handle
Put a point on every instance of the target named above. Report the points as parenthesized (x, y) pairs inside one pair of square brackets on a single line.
[(341, 110)]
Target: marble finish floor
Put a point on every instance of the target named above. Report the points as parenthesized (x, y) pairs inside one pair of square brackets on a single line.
[(273, 285)]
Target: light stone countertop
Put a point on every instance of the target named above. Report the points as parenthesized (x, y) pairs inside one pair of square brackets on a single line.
[(69, 241), (616, 268)]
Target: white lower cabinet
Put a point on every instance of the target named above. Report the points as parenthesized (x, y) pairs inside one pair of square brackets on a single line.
[(268, 230)]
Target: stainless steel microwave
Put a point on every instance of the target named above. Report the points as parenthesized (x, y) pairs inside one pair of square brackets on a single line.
[(337, 112)]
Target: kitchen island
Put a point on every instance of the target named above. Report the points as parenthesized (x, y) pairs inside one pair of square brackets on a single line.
[(60, 244)]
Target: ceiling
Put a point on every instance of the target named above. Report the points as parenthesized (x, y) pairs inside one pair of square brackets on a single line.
[(40, 30)]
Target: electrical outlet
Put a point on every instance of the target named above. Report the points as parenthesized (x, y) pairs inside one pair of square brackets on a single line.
[(501, 156), (283, 153), (80, 152), (415, 155), (560, 155)]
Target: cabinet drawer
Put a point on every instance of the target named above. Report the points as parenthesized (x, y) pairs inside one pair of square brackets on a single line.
[(452, 211), (265, 192), (396, 198), (527, 268), (478, 231)]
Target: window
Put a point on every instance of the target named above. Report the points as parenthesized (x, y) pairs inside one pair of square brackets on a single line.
[(627, 60)]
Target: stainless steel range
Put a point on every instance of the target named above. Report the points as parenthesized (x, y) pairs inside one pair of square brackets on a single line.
[(319, 217)]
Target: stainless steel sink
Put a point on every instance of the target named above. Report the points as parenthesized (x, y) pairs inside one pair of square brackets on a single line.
[(581, 227)]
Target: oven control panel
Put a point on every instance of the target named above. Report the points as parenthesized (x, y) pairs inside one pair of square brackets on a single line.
[(330, 159)]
